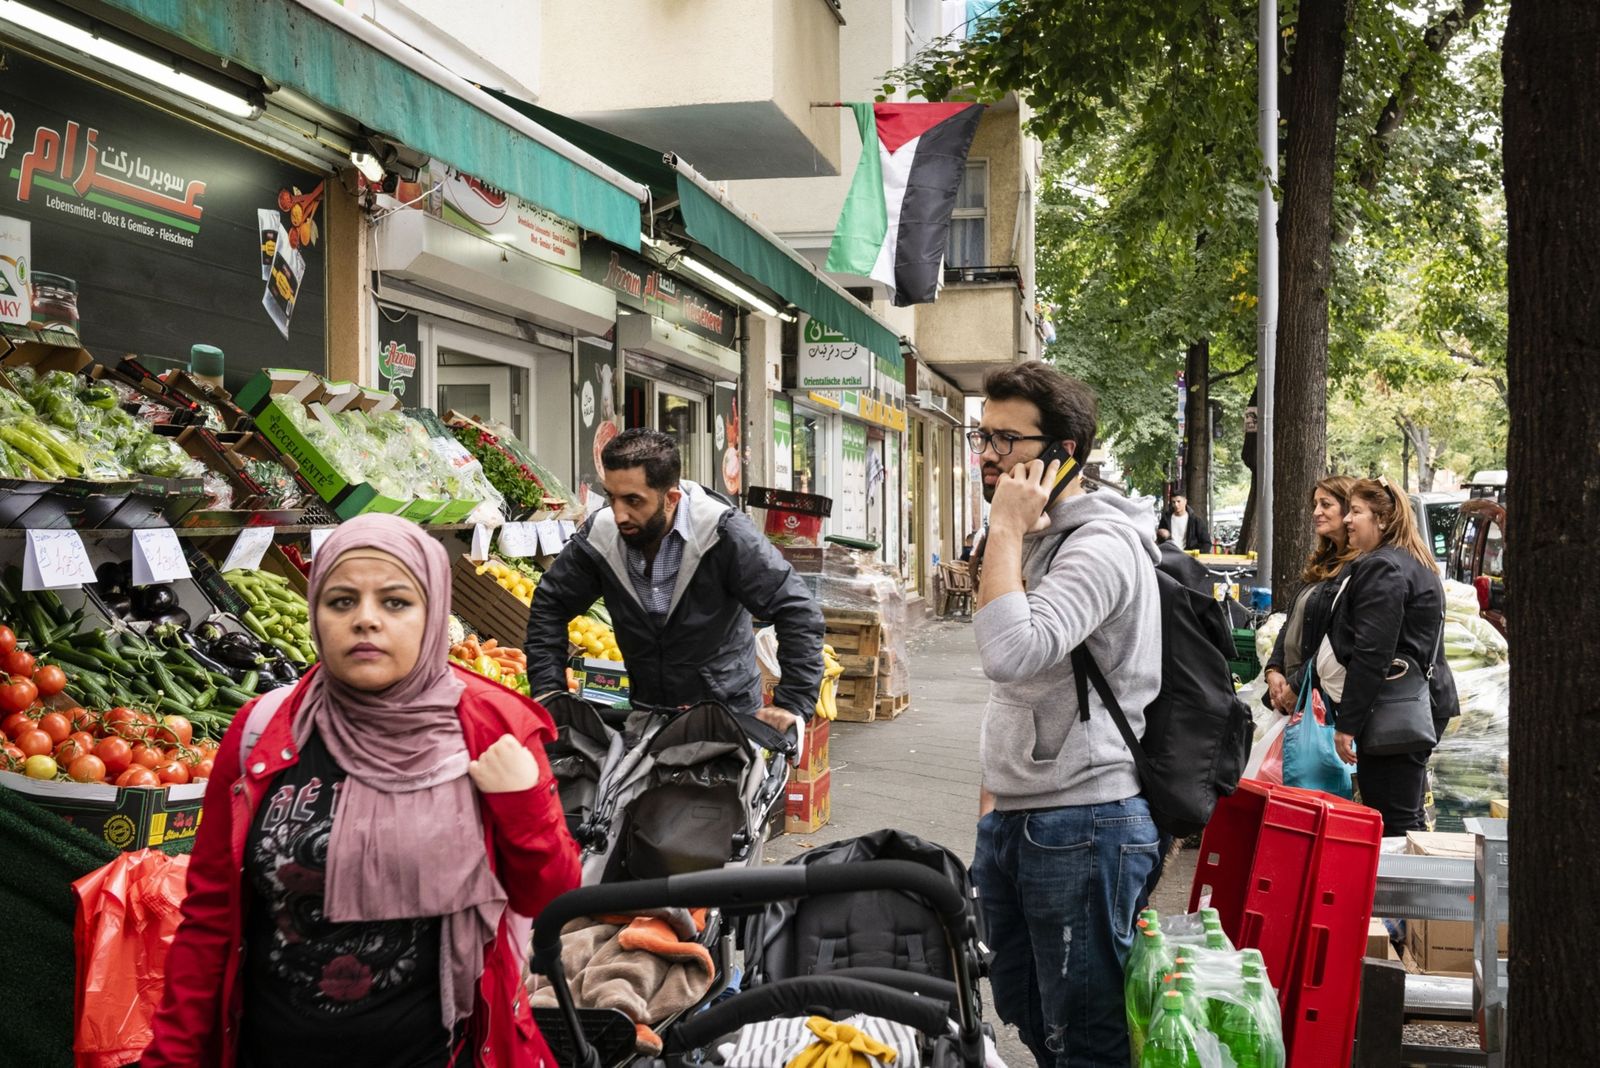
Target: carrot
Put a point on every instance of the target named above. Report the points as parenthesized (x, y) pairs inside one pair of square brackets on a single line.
[(490, 645)]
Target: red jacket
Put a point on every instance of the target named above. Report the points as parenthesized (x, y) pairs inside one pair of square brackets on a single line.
[(529, 849)]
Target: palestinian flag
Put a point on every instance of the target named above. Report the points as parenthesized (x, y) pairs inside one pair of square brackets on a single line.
[(896, 219)]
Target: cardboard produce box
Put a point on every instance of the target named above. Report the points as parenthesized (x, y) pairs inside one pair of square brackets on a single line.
[(814, 755), (808, 805), (1379, 944), (127, 818), (1444, 947)]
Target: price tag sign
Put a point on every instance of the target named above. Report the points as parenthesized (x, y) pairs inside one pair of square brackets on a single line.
[(318, 536), (520, 539), (55, 559), (480, 543), (158, 557), (549, 537), (568, 529), (248, 549)]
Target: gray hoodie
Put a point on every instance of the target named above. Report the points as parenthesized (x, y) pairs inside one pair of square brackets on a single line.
[(1100, 587)]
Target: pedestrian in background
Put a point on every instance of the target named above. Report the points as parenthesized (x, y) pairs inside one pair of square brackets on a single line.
[(1066, 843), (1387, 620), (1311, 607), (1187, 530), (363, 882)]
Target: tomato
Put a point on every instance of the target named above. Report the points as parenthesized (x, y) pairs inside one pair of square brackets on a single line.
[(83, 738), (18, 722), (116, 753), (50, 679), (137, 776), (147, 755), (71, 750), (13, 755), (126, 723), (202, 770), (87, 768), (17, 662), (40, 767), (34, 743), (8, 640), (176, 729), (173, 772), (18, 694), (57, 726)]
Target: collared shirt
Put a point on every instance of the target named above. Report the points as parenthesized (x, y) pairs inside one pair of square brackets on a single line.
[(655, 581)]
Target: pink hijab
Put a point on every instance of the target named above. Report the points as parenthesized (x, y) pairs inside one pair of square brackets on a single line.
[(408, 814)]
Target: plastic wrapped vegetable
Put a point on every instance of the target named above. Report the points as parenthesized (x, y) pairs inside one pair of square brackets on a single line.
[(163, 458), (281, 489)]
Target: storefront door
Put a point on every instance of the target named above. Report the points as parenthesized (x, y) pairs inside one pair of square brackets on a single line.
[(478, 388), (677, 410)]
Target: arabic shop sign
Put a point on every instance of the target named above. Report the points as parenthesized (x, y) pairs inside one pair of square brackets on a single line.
[(643, 286), (829, 360), (150, 233)]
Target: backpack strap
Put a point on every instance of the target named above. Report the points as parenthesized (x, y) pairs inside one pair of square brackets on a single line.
[(261, 714), (1084, 667)]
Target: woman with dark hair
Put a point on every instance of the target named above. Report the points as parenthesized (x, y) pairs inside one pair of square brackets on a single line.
[(1307, 621), (1387, 621)]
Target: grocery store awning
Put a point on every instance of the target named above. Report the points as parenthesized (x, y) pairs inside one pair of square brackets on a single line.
[(715, 223), (347, 64)]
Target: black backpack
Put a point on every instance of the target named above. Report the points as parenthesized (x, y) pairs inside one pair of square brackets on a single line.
[(1197, 732)]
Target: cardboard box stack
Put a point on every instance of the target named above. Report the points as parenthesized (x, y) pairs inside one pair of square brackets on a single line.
[(1443, 947), (808, 803)]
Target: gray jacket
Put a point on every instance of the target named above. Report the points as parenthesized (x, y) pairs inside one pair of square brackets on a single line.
[(1099, 587), (705, 649)]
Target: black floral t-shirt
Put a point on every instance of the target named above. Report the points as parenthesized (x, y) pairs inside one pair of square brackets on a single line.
[(317, 992)]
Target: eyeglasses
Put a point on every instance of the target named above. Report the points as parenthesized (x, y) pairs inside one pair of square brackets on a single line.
[(1000, 441)]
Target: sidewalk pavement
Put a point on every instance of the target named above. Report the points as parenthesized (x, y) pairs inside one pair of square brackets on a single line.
[(919, 773)]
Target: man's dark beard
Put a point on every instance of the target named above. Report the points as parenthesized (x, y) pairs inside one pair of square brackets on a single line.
[(652, 530), (988, 490)]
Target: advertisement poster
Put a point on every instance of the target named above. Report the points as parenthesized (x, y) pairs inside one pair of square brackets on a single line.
[(150, 234), (595, 407), (893, 516), (852, 510), (782, 443), (728, 456), (829, 360), (479, 208), (875, 494), (399, 346)]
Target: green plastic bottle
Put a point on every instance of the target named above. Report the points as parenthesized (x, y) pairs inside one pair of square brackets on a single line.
[(1239, 1027), (1172, 1042), (1143, 983)]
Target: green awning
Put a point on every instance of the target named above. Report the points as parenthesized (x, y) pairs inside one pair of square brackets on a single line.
[(723, 231), (284, 42)]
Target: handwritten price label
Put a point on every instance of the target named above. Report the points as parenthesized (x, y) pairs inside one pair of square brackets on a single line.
[(549, 537), (248, 549), (158, 557), (318, 536), (55, 559), (568, 529), (520, 539), (480, 543)]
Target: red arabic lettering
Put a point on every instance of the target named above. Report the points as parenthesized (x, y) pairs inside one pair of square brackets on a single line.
[(43, 157)]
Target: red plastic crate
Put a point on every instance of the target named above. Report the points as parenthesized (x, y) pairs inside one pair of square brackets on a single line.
[(1320, 1025), (1256, 859)]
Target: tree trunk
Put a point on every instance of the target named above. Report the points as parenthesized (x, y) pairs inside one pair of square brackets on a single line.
[(1197, 424), (1301, 414), (1552, 175), (1247, 526), (1405, 453), (1424, 460)]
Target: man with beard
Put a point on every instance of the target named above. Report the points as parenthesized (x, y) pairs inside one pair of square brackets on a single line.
[(682, 573), (1066, 843)]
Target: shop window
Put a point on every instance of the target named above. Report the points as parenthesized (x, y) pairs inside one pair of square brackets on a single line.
[(810, 453), (681, 418), (969, 223)]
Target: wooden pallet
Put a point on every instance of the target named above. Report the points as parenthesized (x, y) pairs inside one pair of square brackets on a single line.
[(891, 707), (858, 698)]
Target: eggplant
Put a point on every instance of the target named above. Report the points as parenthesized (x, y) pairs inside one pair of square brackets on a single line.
[(122, 606), (236, 657), (108, 575), (209, 632), (173, 615), (153, 600)]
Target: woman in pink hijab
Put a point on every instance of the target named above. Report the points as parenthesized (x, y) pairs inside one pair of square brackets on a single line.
[(373, 845)]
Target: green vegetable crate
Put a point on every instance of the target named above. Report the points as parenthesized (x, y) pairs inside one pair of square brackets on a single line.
[(125, 818), (346, 500), (1245, 663)]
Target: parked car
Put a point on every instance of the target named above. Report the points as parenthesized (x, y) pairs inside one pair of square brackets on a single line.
[(1478, 556), (1491, 484), (1436, 521)]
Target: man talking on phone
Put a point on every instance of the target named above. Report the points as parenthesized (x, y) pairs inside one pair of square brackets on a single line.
[(1065, 841)]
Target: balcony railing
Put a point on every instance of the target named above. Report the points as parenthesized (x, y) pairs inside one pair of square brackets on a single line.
[(969, 275)]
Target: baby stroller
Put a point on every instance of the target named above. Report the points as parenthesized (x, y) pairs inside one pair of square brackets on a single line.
[(586, 752), (923, 1005), (681, 790)]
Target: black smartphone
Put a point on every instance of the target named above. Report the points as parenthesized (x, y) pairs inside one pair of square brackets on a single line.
[(1058, 451)]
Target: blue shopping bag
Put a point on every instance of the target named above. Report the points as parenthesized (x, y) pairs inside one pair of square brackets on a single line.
[(1309, 759)]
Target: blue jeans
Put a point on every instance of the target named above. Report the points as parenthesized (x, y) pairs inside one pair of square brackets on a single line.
[(1058, 888)]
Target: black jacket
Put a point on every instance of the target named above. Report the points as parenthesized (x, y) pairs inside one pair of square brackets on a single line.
[(1314, 602), (1392, 607), (1196, 537), (705, 650)]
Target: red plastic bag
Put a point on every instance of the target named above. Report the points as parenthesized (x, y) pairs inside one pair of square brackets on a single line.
[(1266, 758), (127, 917)]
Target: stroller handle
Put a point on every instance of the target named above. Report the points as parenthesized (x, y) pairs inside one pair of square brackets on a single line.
[(797, 996), (739, 891)]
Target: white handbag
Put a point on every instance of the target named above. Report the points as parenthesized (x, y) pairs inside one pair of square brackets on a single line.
[(1330, 673)]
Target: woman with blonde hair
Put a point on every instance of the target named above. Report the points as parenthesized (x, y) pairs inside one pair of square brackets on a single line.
[(1312, 605), (1387, 623)]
